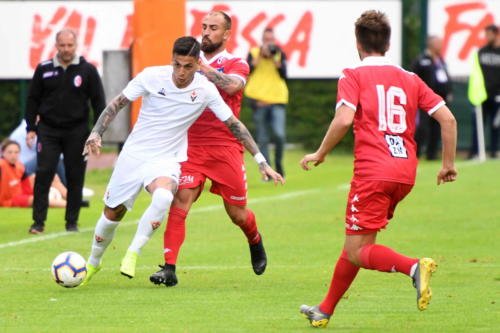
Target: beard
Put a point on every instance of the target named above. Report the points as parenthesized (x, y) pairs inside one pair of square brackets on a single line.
[(208, 47)]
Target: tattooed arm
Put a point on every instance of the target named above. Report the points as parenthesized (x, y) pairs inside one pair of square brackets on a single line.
[(241, 133), (228, 83), (93, 143)]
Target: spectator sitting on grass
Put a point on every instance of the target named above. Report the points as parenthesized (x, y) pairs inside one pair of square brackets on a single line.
[(16, 186)]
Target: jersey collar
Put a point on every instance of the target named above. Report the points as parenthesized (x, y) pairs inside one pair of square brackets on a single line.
[(376, 61), (75, 61), (222, 53)]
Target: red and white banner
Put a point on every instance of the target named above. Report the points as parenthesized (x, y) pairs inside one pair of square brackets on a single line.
[(318, 36), (461, 25)]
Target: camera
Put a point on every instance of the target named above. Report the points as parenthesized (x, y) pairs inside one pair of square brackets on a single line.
[(273, 49)]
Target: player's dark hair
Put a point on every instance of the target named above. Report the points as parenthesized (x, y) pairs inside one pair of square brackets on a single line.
[(8, 142), (187, 46), (493, 28), (373, 32), (268, 29)]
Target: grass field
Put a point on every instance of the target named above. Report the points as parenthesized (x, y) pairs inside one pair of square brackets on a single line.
[(302, 222)]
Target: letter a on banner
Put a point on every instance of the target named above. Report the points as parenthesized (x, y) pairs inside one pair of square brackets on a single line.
[(157, 24)]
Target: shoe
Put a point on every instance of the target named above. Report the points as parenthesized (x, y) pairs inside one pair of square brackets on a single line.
[(127, 267), (71, 227), (421, 279), (91, 270), (166, 276), (85, 203), (36, 228), (316, 317), (259, 258)]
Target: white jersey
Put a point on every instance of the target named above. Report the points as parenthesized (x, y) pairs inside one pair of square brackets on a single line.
[(167, 112)]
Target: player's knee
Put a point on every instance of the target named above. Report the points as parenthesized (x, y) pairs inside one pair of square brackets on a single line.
[(238, 217), (353, 256), (162, 198)]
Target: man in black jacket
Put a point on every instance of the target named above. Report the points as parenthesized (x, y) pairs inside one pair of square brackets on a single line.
[(57, 114), (432, 69)]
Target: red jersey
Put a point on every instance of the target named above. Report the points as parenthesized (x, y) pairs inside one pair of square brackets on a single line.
[(385, 98), (11, 181), (207, 129)]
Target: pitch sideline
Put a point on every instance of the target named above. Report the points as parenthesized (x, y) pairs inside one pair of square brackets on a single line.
[(285, 196)]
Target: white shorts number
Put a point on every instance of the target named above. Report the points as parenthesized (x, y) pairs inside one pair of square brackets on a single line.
[(396, 146)]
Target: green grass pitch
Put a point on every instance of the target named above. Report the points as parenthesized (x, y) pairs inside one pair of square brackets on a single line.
[(458, 224)]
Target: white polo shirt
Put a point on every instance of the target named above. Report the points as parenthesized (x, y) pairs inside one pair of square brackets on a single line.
[(167, 112)]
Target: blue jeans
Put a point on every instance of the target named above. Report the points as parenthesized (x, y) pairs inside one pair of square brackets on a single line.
[(271, 116)]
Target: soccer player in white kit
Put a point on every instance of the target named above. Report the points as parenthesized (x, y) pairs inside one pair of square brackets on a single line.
[(173, 98)]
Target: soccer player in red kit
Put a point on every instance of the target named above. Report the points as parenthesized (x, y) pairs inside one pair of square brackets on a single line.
[(382, 100), (214, 153)]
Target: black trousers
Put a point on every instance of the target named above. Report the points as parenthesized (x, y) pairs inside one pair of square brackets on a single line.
[(51, 143)]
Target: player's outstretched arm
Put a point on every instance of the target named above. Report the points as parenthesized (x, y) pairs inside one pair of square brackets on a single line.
[(93, 143), (228, 83), (241, 133), (339, 126), (446, 120)]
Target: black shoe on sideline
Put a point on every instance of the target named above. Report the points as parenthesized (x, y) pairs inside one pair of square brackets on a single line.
[(71, 227), (85, 203), (259, 258), (166, 276), (36, 228)]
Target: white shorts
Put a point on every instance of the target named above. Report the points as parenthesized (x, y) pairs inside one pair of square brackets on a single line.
[(131, 174)]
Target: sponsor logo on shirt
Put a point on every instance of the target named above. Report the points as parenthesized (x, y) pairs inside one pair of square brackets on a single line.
[(48, 74), (77, 81), (13, 182), (194, 95), (162, 92)]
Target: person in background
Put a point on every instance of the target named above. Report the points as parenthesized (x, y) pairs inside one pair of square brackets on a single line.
[(57, 114), (489, 62), (28, 154), (268, 93), (16, 185), (432, 69)]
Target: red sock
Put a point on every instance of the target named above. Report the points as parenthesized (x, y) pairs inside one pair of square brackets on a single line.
[(249, 228), (343, 275), (174, 234), (384, 259)]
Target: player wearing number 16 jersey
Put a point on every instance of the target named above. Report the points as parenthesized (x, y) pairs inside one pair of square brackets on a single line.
[(381, 99)]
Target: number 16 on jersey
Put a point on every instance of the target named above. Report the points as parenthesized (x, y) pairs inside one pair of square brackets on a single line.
[(393, 117)]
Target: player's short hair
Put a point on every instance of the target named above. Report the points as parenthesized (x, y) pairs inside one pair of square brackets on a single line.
[(8, 142), (66, 30), (493, 28), (187, 46), (373, 31), (227, 18)]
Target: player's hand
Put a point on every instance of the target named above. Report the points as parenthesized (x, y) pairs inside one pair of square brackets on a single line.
[(204, 67), (447, 175), (268, 173), (92, 145), (315, 157), (30, 139)]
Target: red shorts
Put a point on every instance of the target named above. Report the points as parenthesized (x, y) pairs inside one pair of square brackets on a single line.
[(21, 200), (223, 165), (371, 204)]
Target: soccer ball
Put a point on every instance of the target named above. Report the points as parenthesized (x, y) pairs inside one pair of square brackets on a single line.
[(68, 269)]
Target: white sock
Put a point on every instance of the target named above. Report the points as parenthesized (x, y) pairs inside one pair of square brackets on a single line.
[(413, 269), (103, 235), (151, 219)]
